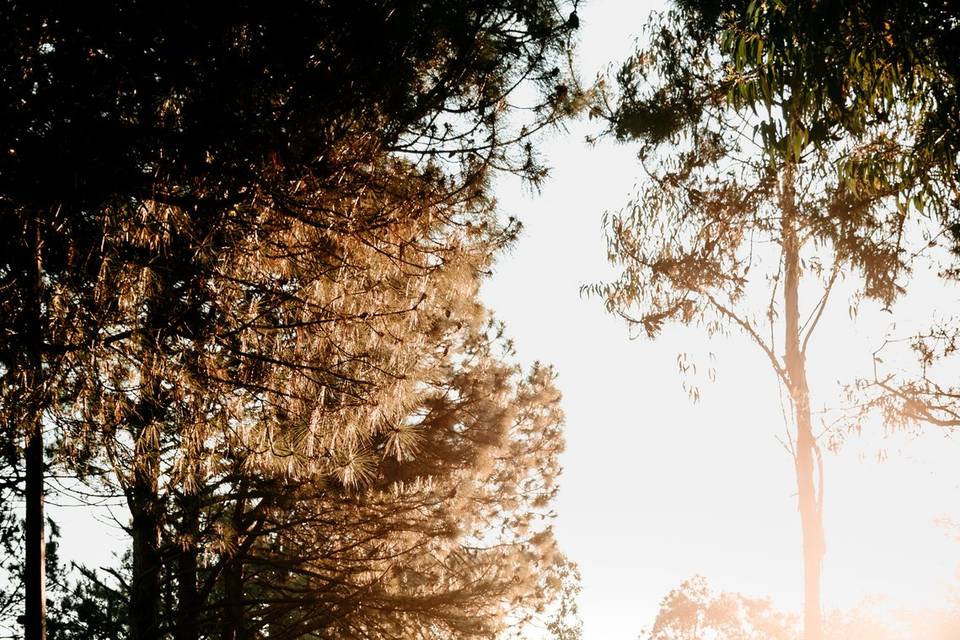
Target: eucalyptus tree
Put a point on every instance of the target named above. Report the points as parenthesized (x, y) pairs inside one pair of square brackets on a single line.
[(872, 63), (756, 190), (146, 146), (868, 62)]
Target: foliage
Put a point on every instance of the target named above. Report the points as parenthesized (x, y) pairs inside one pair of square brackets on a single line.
[(865, 60), (239, 236), (450, 542), (11, 554), (853, 67), (693, 611), (81, 604), (565, 623), (754, 190)]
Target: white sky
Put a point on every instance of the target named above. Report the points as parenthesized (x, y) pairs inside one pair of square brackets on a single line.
[(656, 488)]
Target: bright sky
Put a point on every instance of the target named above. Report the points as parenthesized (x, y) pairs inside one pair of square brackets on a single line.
[(656, 488)]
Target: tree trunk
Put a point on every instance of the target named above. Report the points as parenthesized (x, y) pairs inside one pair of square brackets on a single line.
[(809, 502), (187, 597), (811, 519), (145, 423), (34, 569), (233, 623), (145, 588)]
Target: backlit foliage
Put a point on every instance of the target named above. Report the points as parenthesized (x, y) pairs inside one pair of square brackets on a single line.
[(757, 197), (243, 283)]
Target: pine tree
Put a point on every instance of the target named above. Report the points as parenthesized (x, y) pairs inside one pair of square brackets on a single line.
[(213, 211)]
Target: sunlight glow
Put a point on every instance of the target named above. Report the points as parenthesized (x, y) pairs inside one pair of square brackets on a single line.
[(657, 489)]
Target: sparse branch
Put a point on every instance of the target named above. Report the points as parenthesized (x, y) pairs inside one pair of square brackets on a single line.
[(817, 312), (751, 332), (921, 407)]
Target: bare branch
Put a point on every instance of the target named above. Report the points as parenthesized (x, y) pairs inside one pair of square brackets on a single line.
[(751, 332)]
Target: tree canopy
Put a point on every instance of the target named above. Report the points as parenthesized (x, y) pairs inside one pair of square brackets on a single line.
[(757, 186), (245, 251)]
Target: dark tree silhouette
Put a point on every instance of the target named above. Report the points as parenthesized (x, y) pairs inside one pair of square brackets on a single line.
[(149, 149)]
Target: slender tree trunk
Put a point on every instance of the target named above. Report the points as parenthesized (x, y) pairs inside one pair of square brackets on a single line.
[(811, 517), (233, 624), (34, 561), (187, 596), (811, 520), (277, 619), (146, 509), (145, 588), (34, 569)]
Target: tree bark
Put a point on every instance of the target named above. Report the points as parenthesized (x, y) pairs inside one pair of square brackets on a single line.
[(146, 508), (805, 454), (145, 593), (187, 596), (233, 623), (35, 566), (35, 606)]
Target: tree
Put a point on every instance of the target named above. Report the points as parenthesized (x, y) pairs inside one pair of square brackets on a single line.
[(144, 143), (449, 541), (301, 364), (693, 611), (749, 194), (868, 59), (565, 623), (877, 65)]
